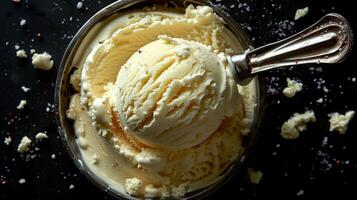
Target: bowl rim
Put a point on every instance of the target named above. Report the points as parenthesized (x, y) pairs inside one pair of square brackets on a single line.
[(60, 92)]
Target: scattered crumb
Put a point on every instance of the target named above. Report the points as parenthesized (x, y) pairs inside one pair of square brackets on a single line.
[(7, 140), (21, 105), (301, 13), (254, 176), (292, 88), (272, 85), (320, 100), (42, 61), (40, 136), (22, 181), (339, 122), (21, 53), (22, 22), (71, 187), (50, 107), (53, 156), (24, 145), (32, 51), (17, 47), (25, 89), (300, 193), (296, 124), (79, 5), (324, 141)]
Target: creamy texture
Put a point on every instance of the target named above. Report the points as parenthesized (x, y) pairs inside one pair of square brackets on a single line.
[(126, 140), (138, 29), (174, 93)]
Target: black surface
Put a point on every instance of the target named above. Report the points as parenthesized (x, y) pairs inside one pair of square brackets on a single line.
[(304, 164)]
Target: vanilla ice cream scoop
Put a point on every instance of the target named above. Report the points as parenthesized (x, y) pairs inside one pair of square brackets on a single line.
[(174, 93)]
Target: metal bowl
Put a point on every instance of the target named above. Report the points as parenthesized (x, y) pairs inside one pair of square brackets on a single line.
[(76, 49)]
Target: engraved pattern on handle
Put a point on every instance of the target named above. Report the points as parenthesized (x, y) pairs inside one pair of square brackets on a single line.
[(326, 41)]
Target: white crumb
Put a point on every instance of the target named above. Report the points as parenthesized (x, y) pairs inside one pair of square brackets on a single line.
[(71, 187), (50, 107), (25, 89), (32, 51), (292, 88), (79, 5), (291, 128), (42, 61), (21, 53), (7, 140), (301, 13), (22, 181), (320, 100), (40, 136), (22, 22), (300, 193), (21, 105), (53, 156), (24, 145), (339, 122)]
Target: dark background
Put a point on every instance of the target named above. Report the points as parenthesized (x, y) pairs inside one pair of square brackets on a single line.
[(306, 165)]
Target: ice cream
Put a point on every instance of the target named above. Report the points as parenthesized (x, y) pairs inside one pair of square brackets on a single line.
[(174, 93), (157, 113)]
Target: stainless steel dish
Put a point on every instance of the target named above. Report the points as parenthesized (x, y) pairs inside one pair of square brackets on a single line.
[(77, 48)]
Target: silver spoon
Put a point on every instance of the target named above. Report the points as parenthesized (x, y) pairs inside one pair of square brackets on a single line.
[(326, 41)]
